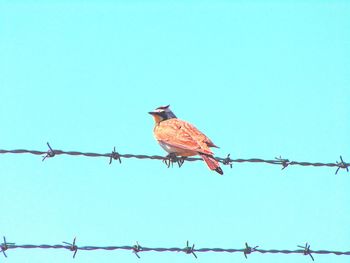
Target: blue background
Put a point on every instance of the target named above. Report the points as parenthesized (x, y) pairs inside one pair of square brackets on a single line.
[(261, 79)]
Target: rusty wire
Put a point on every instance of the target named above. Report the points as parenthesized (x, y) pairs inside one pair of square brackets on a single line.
[(188, 249), (168, 159)]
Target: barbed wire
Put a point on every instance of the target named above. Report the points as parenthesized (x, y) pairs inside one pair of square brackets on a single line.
[(137, 248), (171, 159)]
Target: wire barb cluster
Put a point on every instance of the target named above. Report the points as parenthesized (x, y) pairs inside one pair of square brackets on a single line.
[(136, 249), (72, 246), (190, 250), (249, 250), (5, 246), (170, 159), (307, 250)]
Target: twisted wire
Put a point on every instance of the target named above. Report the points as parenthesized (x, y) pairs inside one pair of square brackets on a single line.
[(226, 161), (188, 249)]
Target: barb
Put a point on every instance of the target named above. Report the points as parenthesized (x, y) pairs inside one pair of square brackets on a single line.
[(284, 162), (169, 159), (342, 165), (72, 246), (5, 246), (305, 250), (249, 250), (189, 250), (114, 156), (227, 161), (136, 249), (49, 153)]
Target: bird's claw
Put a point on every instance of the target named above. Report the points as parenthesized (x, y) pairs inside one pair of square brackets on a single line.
[(171, 158)]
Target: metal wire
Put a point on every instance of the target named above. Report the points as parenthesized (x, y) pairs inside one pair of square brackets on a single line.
[(305, 250), (170, 159)]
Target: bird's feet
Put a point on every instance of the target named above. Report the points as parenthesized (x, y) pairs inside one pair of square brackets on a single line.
[(171, 158)]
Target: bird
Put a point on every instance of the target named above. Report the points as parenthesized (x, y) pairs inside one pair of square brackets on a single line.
[(181, 138)]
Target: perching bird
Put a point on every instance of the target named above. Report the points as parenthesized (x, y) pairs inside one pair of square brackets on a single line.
[(182, 138)]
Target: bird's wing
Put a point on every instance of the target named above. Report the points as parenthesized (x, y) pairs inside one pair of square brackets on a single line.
[(181, 134), (199, 135)]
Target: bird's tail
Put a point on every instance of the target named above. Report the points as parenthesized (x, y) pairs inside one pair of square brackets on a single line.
[(212, 163)]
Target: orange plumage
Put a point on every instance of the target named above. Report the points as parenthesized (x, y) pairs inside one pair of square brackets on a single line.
[(182, 138)]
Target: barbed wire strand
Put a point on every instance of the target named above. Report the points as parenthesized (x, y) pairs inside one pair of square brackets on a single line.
[(136, 249), (170, 159), (173, 159)]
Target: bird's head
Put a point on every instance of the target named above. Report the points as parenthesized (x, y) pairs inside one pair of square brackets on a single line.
[(162, 113)]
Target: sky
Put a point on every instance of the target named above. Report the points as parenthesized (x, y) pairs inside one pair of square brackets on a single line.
[(260, 78)]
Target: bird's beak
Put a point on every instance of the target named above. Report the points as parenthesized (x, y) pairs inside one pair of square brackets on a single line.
[(153, 113), (156, 116)]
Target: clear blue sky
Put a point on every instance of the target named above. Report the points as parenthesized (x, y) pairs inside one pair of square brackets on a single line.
[(261, 79)]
